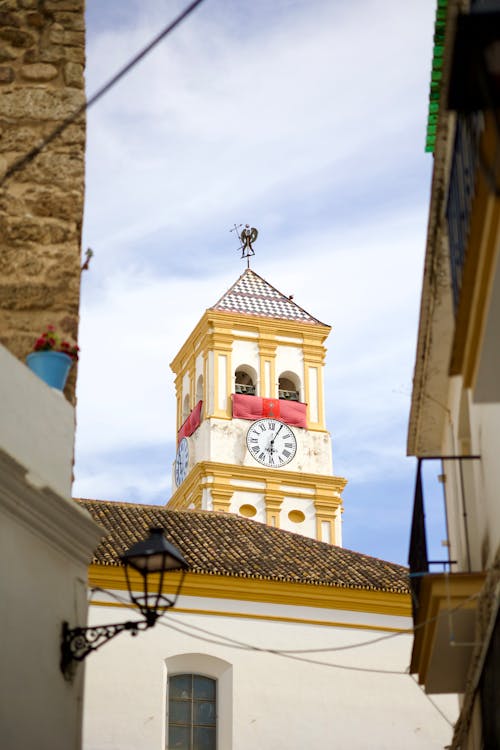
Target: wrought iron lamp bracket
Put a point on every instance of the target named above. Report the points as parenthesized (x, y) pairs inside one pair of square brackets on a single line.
[(77, 643)]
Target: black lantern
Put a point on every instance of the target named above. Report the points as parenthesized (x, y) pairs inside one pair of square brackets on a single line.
[(151, 558)]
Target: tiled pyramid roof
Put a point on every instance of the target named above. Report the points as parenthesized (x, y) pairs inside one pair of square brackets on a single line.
[(223, 544), (253, 295)]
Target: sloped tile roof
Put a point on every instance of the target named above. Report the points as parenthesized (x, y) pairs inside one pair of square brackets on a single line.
[(228, 545), (253, 295)]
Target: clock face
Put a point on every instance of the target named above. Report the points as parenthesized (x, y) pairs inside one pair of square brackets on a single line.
[(181, 461), (271, 443)]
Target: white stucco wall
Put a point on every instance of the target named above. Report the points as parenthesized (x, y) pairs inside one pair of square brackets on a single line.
[(245, 353), (307, 527), (225, 441), (26, 401), (290, 359), (273, 702), (486, 532), (472, 428), (255, 499), (46, 543)]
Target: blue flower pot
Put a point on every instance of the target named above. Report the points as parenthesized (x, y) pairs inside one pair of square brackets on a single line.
[(52, 367)]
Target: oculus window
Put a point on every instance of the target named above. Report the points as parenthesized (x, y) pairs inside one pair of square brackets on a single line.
[(192, 721)]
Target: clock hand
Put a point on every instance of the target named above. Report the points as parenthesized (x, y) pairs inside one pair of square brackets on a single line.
[(276, 434)]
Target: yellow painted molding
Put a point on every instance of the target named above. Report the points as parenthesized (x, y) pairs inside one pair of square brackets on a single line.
[(273, 497), (192, 385), (221, 497), (319, 528), (226, 411), (321, 399), (219, 324), (323, 486), (266, 618), (273, 592)]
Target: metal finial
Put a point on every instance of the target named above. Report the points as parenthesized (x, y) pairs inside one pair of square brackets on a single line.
[(246, 236)]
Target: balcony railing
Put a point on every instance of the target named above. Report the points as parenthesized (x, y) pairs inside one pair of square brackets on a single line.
[(418, 559), (461, 190)]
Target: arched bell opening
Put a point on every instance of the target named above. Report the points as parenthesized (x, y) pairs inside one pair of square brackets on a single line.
[(245, 380), (289, 386)]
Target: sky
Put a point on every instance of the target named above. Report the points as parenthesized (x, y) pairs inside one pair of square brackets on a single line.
[(305, 119)]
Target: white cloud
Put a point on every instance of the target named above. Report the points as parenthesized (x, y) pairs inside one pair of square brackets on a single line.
[(306, 119), (214, 120)]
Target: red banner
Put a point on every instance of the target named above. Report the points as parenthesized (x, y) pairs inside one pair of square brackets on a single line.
[(254, 407), (191, 423)]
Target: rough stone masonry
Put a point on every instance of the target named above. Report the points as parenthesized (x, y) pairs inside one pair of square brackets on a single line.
[(42, 57)]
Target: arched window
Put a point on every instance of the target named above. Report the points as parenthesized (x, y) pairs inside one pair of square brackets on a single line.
[(245, 379), (185, 407), (289, 386), (199, 389), (220, 672), (192, 712)]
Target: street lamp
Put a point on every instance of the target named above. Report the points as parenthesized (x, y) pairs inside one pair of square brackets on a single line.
[(151, 558)]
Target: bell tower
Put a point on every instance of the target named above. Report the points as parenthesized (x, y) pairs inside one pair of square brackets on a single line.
[(251, 433)]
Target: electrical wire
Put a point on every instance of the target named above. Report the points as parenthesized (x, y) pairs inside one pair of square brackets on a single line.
[(23, 161), (293, 655), (433, 703), (227, 641), (283, 654), (348, 647)]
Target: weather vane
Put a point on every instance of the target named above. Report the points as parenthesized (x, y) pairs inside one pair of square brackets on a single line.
[(247, 235)]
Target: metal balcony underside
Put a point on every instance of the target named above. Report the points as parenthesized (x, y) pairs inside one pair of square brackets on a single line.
[(444, 604)]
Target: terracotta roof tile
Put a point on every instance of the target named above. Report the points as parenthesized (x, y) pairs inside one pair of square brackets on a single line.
[(253, 295), (226, 544)]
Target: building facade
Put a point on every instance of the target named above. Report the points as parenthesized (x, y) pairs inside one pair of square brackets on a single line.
[(276, 640), (455, 412), (279, 637)]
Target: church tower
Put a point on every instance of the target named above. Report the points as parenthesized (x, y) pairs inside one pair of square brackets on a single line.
[(251, 433)]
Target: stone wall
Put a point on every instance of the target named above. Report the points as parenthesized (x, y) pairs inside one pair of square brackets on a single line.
[(42, 55)]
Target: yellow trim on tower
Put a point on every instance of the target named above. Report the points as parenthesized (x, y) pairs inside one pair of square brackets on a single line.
[(273, 498), (216, 331), (326, 489), (267, 353)]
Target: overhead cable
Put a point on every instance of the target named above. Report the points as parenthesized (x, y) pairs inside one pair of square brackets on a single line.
[(23, 161)]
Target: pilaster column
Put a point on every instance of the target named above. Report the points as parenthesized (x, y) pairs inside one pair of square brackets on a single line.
[(196, 497), (178, 397), (326, 506), (273, 499), (221, 343), (267, 366), (314, 356), (192, 385), (221, 498)]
